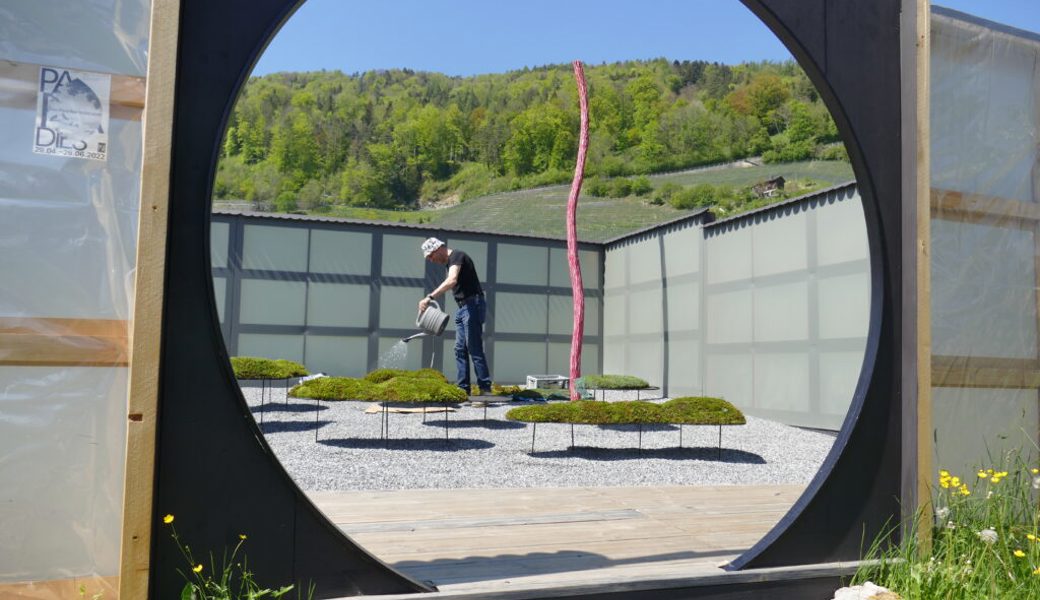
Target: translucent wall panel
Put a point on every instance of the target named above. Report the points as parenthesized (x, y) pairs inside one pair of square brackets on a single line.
[(615, 314), (338, 304), (682, 249), (844, 306), (841, 231), (220, 295), (615, 271), (520, 313), (269, 302), (403, 257), (341, 252), (839, 373), (983, 290), (646, 360), (514, 361), (477, 251), (274, 248), (644, 312), (560, 358), (561, 315), (728, 256), (389, 355), (559, 269), (339, 356), (684, 367), (644, 262), (976, 427), (782, 312), (398, 306), (782, 381), (61, 505), (779, 244), (684, 306), (267, 345), (731, 377), (523, 264), (729, 317), (218, 244)]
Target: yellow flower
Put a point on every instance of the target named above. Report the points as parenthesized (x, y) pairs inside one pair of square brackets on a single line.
[(944, 473), (981, 474), (1034, 471), (241, 536), (167, 519), (1030, 537), (1003, 474), (1019, 553), (955, 482), (964, 490), (990, 471), (197, 568), (995, 479), (1036, 571)]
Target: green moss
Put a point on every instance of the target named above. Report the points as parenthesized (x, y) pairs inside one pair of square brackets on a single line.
[(505, 390), (612, 382), (251, 367), (336, 388), (396, 389), (381, 375), (684, 411), (431, 374)]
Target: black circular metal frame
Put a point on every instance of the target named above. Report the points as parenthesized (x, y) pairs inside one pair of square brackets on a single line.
[(216, 472)]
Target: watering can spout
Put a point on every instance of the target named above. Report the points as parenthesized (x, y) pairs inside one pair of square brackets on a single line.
[(413, 336)]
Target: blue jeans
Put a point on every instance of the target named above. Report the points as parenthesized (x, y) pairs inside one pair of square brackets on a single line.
[(469, 344)]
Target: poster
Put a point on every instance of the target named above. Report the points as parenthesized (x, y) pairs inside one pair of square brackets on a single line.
[(72, 113)]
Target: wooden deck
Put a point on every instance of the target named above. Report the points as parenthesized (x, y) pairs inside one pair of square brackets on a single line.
[(502, 539)]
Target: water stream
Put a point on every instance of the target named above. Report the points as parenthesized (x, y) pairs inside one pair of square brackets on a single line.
[(394, 358)]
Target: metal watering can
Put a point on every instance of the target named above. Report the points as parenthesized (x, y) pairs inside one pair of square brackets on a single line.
[(432, 321)]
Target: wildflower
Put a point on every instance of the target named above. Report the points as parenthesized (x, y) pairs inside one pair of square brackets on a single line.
[(951, 525), (1036, 571), (197, 568), (981, 474), (995, 478), (964, 490), (1018, 552), (944, 482), (988, 535), (955, 481), (167, 519), (942, 512), (944, 473), (241, 536), (1034, 471), (1030, 537), (1036, 483)]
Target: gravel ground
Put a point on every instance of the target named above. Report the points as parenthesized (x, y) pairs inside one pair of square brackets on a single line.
[(349, 453)]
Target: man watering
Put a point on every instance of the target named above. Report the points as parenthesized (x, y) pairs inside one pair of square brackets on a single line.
[(464, 284)]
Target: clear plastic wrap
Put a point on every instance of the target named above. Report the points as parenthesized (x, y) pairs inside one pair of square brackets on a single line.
[(68, 231), (985, 113)]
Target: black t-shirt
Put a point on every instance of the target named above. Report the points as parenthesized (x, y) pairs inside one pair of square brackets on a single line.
[(468, 284)]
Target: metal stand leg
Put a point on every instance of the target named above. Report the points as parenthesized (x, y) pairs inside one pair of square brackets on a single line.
[(287, 392), (317, 410), (720, 441), (534, 430), (445, 422), (263, 389), (572, 435), (640, 437), (680, 435)]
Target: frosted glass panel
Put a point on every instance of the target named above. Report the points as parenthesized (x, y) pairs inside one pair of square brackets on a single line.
[(559, 270), (841, 231), (341, 252), (338, 305), (646, 360), (782, 381), (218, 244), (730, 377), (477, 251), (220, 295), (844, 306), (779, 244), (520, 313), (683, 251), (514, 361), (522, 264), (684, 367), (398, 306), (782, 312), (560, 359), (391, 358), (561, 315), (274, 248), (614, 270), (403, 257), (614, 357), (615, 314), (272, 302), (729, 316), (684, 306), (644, 261), (983, 291), (728, 256), (839, 372), (266, 345), (644, 312), (337, 356)]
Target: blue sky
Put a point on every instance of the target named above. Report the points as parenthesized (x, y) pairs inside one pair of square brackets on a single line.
[(467, 37)]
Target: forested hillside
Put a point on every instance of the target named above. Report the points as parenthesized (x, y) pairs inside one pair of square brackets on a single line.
[(398, 139)]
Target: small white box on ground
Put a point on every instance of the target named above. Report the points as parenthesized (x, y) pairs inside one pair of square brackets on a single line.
[(547, 381)]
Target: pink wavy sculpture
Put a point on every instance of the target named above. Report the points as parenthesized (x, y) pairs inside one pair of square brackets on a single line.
[(577, 288)]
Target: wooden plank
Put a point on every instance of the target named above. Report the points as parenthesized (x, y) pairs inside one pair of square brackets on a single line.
[(19, 87), (145, 336), (985, 372), (37, 342), (456, 523), (977, 208)]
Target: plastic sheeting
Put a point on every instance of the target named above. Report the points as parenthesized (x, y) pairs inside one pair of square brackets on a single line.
[(68, 229), (985, 126)]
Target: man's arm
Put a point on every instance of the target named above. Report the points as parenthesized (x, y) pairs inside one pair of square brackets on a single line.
[(448, 283)]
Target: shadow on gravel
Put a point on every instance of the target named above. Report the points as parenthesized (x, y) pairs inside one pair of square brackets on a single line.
[(692, 453), (271, 407), (286, 426), (477, 423), (431, 444)]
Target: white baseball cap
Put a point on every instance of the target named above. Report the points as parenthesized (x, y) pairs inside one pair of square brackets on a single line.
[(430, 245)]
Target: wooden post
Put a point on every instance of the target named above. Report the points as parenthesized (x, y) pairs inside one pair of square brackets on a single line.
[(146, 324)]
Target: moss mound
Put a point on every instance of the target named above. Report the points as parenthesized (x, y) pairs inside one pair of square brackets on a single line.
[(390, 385), (679, 411), (252, 367), (612, 382)]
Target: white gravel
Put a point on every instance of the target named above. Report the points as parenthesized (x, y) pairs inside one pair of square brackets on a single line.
[(351, 454)]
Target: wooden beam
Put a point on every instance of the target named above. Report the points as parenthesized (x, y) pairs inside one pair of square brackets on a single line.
[(53, 342), (976, 208), (20, 82), (985, 372), (142, 409)]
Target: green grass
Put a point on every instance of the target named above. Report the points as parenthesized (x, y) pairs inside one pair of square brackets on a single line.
[(251, 367), (541, 211), (684, 411)]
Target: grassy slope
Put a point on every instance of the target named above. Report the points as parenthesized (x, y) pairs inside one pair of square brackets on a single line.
[(541, 211)]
